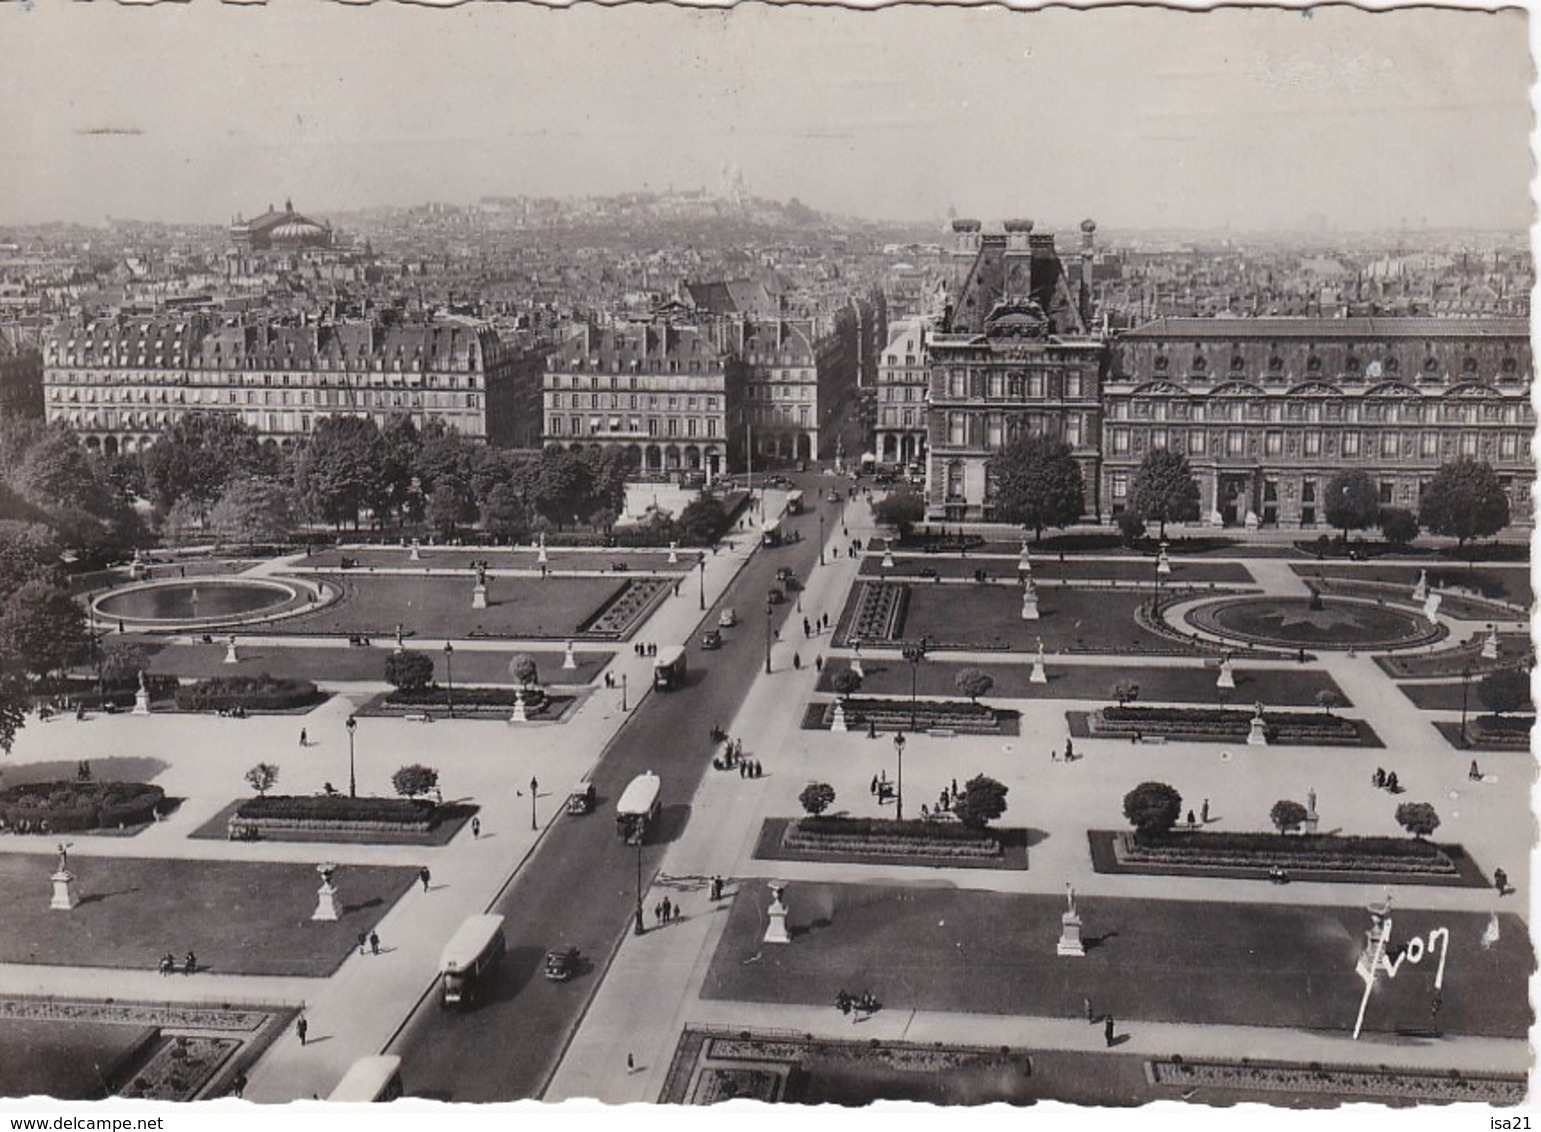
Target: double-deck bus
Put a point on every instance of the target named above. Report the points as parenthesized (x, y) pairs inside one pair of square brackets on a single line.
[(370, 1079), (669, 668), (471, 953), (638, 808)]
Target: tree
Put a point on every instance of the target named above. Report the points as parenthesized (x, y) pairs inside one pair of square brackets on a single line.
[(253, 512), (1352, 501), (13, 715), (1464, 501), (339, 466), (28, 551), (845, 682), (504, 514), (42, 628), (1506, 690), (449, 505), (122, 662), (1287, 815), (392, 490), (817, 797), (1399, 525), (562, 483), (415, 780), (1418, 818), (522, 667), (1131, 526), (1163, 489), (1126, 690), (198, 456), (1327, 699), (900, 509), (262, 777), (409, 670), (973, 683), (1037, 484), (701, 520), (1152, 807), (983, 799)]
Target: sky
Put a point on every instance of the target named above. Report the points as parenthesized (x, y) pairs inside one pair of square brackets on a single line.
[(1138, 117)]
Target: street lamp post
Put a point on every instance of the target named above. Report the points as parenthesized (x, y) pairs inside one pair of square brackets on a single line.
[(1465, 688), (623, 691), (352, 726), (914, 654), (636, 922), (821, 538), (701, 559), (899, 778), (769, 611), (534, 786), (449, 674)]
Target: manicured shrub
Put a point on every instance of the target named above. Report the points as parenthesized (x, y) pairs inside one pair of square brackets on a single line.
[(251, 693), (80, 805)]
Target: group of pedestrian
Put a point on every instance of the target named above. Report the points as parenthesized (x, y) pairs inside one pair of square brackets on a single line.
[(715, 887), (1070, 755), (1388, 782), (667, 912), (865, 1003), (369, 943), (645, 648), (168, 964), (83, 770), (881, 790), (749, 768), (1474, 774)]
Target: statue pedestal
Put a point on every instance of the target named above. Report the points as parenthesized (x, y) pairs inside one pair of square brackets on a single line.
[(1256, 735), (776, 929), (1420, 591), (856, 668), (1030, 606), (1490, 647), (1310, 823), (569, 661), (230, 656), (65, 897), (479, 597), (1227, 679), (326, 902), (674, 554), (1251, 522), (415, 556), (1163, 564), (142, 702), (1070, 936), (518, 716), (838, 724), (1039, 676)]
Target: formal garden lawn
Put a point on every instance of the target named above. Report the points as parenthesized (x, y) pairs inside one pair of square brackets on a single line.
[(436, 606), (1050, 569), (943, 949), (1071, 620), (68, 1061), (500, 558), (1191, 684), (1506, 583), (332, 664), (1447, 697), (239, 918)]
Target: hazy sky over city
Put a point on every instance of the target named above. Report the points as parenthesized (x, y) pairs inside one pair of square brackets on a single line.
[(1138, 117)]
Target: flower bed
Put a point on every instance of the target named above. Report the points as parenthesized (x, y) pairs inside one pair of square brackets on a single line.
[(1290, 727), (879, 612), (885, 837), (629, 602), (261, 692), (77, 805), (1300, 851), (313, 812), (1352, 1081), (895, 715), (467, 697), (180, 1068)]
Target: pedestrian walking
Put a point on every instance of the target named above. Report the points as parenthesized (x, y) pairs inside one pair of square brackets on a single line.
[(238, 1085), (631, 1064), (1090, 1017), (797, 662), (1054, 754), (818, 662), (743, 770), (658, 914), (476, 828), (1474, 774), (807, 629), (363, 939), (1501, 882), (423, 875), (1204, 812), (1069, 749), (1192, 821), (874, 789), (826, 621), (374, 943), (301, 1028), (1107, 1031), (667, 909), (304, 738)]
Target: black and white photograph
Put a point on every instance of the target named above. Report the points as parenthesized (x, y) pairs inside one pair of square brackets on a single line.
[(766, 555)]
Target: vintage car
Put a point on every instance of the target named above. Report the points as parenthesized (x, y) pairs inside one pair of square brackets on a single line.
[(711, 639), (561, 963)]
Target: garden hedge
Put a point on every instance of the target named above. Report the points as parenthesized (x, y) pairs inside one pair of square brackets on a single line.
[(253, 693), (69, 805)]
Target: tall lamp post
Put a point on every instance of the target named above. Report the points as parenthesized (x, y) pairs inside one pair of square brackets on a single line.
[(534, 786), (899, 778), (821, 538), (352, 726), (914, 654), (623, 691), (701, 560), (636, 921), (769, 611), (449, 674), (1465, 688)]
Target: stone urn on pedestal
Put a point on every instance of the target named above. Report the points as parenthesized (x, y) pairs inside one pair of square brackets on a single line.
[(1257, 735), (1040, 673), (64, 895), (776, 929), (838, 723), (1029, 599), (519, 715), (326, 895), (230, 656)]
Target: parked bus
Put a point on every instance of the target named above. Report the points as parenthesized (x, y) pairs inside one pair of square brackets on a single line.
[(370, 1079), (794, 503), (770, 532), (468, 957), (669, 667), (638, 808)]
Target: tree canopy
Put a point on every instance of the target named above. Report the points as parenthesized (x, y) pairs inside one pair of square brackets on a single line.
[(817, 797), (900, 509), (973, 682), (1152, 807), (1038, 484), (409, 671), (414, 780), (198, 455), (1163, 489), (982, 801), (253, 512), (262, 777), (1418, 818), (1352, 501), (337, 469), (1287, 815), (42, 628), (1465, 501)]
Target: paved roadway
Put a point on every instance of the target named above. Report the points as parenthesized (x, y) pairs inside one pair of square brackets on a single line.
[(579, 888)]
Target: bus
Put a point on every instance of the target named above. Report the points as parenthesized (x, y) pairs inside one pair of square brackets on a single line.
[(470, 954), (638, 808), (794, 503), (770, 532), (370, 1079), (669, 668)]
